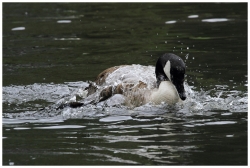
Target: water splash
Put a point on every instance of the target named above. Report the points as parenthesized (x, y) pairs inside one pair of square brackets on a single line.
[(42, 101)]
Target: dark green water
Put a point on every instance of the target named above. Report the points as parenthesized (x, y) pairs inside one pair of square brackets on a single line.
[(49, 47)]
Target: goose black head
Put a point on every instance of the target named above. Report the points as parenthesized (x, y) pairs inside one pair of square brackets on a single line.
[(170, 67)]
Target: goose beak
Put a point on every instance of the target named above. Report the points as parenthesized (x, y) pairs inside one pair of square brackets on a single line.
[(183, 96), (181, 91)]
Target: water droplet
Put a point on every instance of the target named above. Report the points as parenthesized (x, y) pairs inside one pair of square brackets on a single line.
[(187, 48)]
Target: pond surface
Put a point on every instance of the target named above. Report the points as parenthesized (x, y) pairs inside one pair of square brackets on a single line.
[(52, 50)]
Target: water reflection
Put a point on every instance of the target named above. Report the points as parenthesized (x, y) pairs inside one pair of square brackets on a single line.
[(115, 118), (212, 20), (64, 21), (60, 127), (154, 140), (70, 38), (18, 28), (170, 22), (193, 16)]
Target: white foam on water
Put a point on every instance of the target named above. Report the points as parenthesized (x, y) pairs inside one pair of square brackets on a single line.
[(26, 102)]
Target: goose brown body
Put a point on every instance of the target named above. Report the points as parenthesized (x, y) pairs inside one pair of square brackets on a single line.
[(156, 87)]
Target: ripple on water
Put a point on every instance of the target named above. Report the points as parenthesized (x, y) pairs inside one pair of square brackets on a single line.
[(115, 118)]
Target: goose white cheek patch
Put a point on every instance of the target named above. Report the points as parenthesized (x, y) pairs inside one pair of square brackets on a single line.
[(167, 70)]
